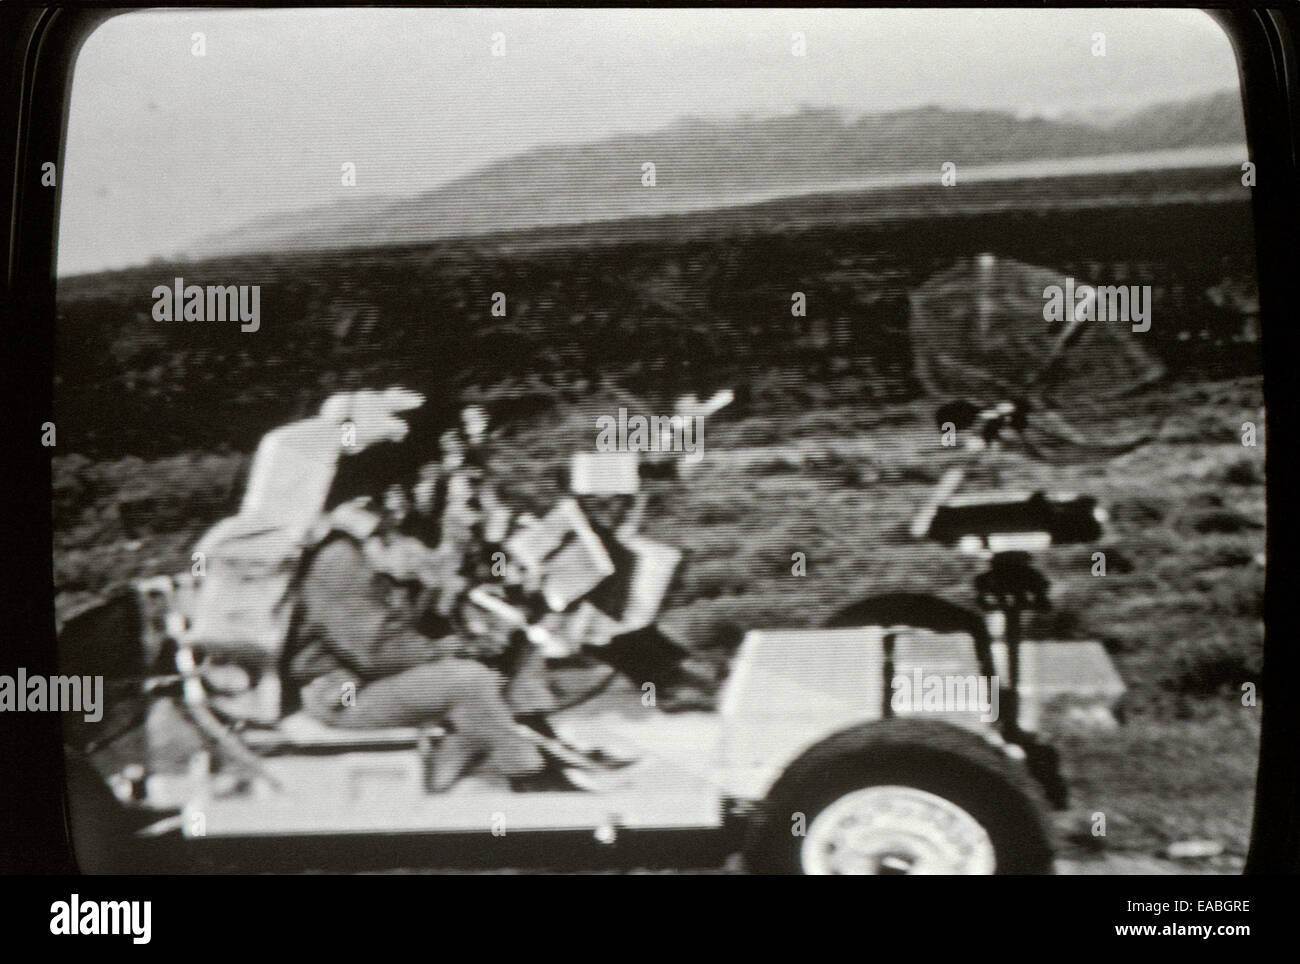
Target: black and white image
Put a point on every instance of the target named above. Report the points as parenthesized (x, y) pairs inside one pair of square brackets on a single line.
[(741, 440)]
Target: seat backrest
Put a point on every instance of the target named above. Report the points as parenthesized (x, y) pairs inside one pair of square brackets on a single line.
[(240, 607), (291, 474), (248, 561)]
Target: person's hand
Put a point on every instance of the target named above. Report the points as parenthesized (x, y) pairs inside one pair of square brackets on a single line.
[(374, 415), (451, 591), (551, 645), (437, 570), (485, 633)]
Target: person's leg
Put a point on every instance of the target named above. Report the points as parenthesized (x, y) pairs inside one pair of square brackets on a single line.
[(648, 656), (481, 716), (465, 694), (331, 697), (462, 692), (527, 690)]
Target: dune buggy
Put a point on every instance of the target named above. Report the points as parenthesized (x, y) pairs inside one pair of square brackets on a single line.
[(808, 763)]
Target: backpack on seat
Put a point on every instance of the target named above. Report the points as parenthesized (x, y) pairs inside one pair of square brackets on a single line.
[(240, 610)]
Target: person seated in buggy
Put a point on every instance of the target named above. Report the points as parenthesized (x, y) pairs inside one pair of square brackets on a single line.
[(366, 627), (380, 636), (364, 651)]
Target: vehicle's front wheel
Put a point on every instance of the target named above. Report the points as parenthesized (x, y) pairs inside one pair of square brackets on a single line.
[(903, 796)]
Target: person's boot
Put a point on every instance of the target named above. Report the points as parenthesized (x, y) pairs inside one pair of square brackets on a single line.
[(567, 780), (551, 779), (596, 781), (566, 751), (450, 760)]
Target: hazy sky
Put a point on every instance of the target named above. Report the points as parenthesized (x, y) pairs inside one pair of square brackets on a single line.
[(165, 146)]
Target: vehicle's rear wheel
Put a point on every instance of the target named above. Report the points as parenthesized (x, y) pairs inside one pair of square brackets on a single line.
[(903, 796)]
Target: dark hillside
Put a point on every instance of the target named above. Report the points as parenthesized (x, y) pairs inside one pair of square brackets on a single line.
[(658, 306)]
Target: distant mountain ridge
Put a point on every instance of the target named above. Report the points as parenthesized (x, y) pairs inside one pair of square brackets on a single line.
[(702, 163)]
